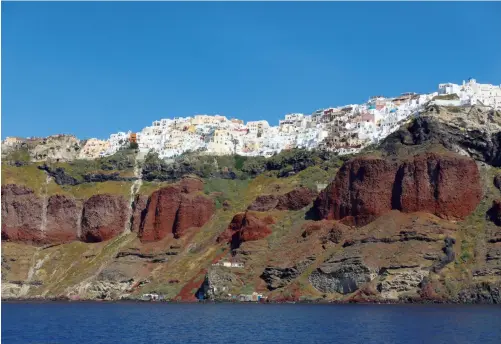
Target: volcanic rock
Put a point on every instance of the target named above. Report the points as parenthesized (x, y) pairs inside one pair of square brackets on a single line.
[(63, 216), (173, 209), (276, 277), (363, 187), (21, 214), (194, 211), (448, 186), (245, 227), (160, 214), (293, 200), (472, 131), (481, 293), (341, 275), (264, 203), (104, 217)]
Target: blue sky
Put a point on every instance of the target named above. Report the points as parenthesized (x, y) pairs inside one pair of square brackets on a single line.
[(91, 69)]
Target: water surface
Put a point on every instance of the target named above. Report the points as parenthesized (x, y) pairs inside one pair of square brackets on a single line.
[(137, 323)]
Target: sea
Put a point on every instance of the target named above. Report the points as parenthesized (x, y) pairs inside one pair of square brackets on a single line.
[(123, 323)]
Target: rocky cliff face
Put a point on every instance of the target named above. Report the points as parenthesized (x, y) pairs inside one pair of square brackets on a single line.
[(470, 131), (277, 277), (414, 223), (63, 219), (365, 188), (246, 227), (103, 217), (57, 219), (392, 256), (21, 214), (174, 209)]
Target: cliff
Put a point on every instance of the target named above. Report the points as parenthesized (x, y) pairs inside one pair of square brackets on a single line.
[(415, 219), (366, 188), (174, 209)]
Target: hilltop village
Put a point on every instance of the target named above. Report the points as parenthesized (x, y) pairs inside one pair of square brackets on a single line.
[(345, 129), (414, 217)]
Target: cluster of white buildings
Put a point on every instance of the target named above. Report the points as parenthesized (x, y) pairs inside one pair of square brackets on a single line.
[(473, 93), (346, 129), (343, 129)]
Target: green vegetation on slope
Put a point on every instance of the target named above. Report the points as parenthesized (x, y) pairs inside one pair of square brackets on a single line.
[(284, 164)]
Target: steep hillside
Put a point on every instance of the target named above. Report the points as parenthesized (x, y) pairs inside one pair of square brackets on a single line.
[(414, 219)]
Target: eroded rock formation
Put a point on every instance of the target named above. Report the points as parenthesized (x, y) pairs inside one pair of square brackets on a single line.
[(341, 275), (365, 188), (104, 217), (246, 227), (21, 214), (174, 209), (63, 219)]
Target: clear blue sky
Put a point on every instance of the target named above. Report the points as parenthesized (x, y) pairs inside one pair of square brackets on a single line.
[(91, 69)]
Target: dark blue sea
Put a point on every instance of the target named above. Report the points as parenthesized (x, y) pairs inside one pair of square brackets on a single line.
[(122, 323)]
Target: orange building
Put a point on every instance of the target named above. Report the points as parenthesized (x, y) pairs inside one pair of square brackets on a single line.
[(133, 138)]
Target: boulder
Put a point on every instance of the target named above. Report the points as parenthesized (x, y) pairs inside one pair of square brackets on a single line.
[(332, 230)]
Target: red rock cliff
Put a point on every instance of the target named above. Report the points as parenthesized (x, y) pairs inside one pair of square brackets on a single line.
[(21, 214), (363, 188), (104, 217), (28, 218), (448, 186), (174, 209), (63, 214), (245, 227)]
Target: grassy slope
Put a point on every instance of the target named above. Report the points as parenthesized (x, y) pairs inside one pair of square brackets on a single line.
[(68, 265), (35, 179)]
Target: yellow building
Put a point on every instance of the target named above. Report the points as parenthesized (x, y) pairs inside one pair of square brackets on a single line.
[(221, 142)]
